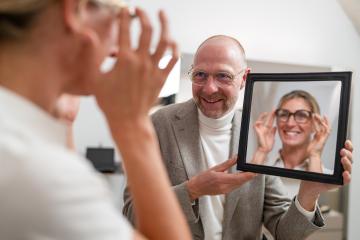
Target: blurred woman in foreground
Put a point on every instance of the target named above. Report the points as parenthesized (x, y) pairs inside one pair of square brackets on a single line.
[(51, 47)]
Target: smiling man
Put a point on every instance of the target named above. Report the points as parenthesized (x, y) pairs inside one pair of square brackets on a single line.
[(195, 139)]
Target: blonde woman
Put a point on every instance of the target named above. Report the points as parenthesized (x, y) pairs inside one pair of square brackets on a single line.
[(303, 133), (51, 47)]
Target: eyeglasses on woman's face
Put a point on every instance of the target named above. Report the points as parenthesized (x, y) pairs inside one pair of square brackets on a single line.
[(300, 116)]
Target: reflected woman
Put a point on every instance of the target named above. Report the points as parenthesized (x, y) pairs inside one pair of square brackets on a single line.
[(303, 133)]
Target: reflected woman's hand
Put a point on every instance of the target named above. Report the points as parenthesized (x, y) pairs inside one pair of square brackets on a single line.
[(265, 131), (316, 146)]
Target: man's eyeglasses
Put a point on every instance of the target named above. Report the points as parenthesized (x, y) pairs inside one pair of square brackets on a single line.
[(221, 78), (300, 116)]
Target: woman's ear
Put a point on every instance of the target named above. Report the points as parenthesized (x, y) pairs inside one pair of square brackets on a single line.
[(71, 10), (74, 14)]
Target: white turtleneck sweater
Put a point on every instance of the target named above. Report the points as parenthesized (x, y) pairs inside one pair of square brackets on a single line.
[(215, 135)]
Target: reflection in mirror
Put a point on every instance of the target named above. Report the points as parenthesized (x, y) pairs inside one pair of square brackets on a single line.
[(294, 125)]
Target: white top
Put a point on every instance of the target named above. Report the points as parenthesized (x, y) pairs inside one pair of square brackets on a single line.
[(292, 185), (46, 191), (215, 135)]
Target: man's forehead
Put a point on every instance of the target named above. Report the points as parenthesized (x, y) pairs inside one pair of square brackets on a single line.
[(219, 55)]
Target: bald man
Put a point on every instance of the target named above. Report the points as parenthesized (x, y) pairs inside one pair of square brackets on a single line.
[(198, 135)]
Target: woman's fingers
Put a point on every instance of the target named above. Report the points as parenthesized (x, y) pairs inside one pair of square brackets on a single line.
[(146, 32), (173, 60), (124, 32), (164, 41)]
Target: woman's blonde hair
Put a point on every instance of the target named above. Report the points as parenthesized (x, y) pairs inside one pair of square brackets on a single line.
[(16, 16)]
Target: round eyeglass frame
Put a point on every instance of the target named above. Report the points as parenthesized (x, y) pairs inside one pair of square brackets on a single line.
[(218, 83)]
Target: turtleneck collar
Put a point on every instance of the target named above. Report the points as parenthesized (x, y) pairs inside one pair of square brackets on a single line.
[(216, 123)]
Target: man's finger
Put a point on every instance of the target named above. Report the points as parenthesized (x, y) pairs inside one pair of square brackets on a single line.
[(346, 177), (225, 165), (348, 145), (242, 177), (346, 163), (346, 153)]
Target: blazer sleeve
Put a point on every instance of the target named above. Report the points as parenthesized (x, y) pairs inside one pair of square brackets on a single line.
[(190, 209), (281, 216)]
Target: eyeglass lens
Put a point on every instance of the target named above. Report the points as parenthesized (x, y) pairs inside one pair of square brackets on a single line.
[(221, 78), (300, 116)]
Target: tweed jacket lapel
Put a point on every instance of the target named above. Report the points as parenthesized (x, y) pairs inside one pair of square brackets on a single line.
[(186, 129), (233, 197)]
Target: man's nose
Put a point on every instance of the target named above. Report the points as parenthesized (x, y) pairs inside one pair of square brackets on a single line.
[(210, 85)]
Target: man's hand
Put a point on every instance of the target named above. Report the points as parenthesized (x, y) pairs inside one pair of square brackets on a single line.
[(216, 180), (310, 191)]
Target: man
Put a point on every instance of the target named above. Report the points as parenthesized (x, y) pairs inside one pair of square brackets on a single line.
[(196, 136)]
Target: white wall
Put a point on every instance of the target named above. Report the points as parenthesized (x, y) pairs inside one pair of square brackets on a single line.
[(299, 31)]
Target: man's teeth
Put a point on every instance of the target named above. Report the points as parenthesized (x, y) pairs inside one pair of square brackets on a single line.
[(212, 101)]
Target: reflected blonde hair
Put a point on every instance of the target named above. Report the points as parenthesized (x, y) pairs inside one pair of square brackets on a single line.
[(301, 94)]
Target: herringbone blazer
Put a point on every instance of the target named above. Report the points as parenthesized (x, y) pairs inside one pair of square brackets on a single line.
[(259, 201)]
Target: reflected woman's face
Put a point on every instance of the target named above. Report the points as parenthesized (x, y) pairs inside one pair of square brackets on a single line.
[(291, 132)]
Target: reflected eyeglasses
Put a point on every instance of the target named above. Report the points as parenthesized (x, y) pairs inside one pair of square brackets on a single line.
[(300, 116), (221, 78)]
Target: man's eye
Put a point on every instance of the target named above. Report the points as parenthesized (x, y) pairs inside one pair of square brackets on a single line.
[(223, 77), (200, 75)]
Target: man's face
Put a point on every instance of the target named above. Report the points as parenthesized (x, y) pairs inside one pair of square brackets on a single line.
[(214, 57)]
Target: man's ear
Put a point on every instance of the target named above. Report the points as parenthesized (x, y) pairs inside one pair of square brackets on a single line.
[(247, 71), (74, 15)]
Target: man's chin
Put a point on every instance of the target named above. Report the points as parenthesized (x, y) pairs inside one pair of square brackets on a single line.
[(212, 113)]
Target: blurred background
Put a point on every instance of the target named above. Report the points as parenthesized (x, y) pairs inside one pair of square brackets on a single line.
[(278, 36)]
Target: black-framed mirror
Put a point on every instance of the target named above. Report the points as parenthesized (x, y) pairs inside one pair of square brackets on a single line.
[(294, 125)]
